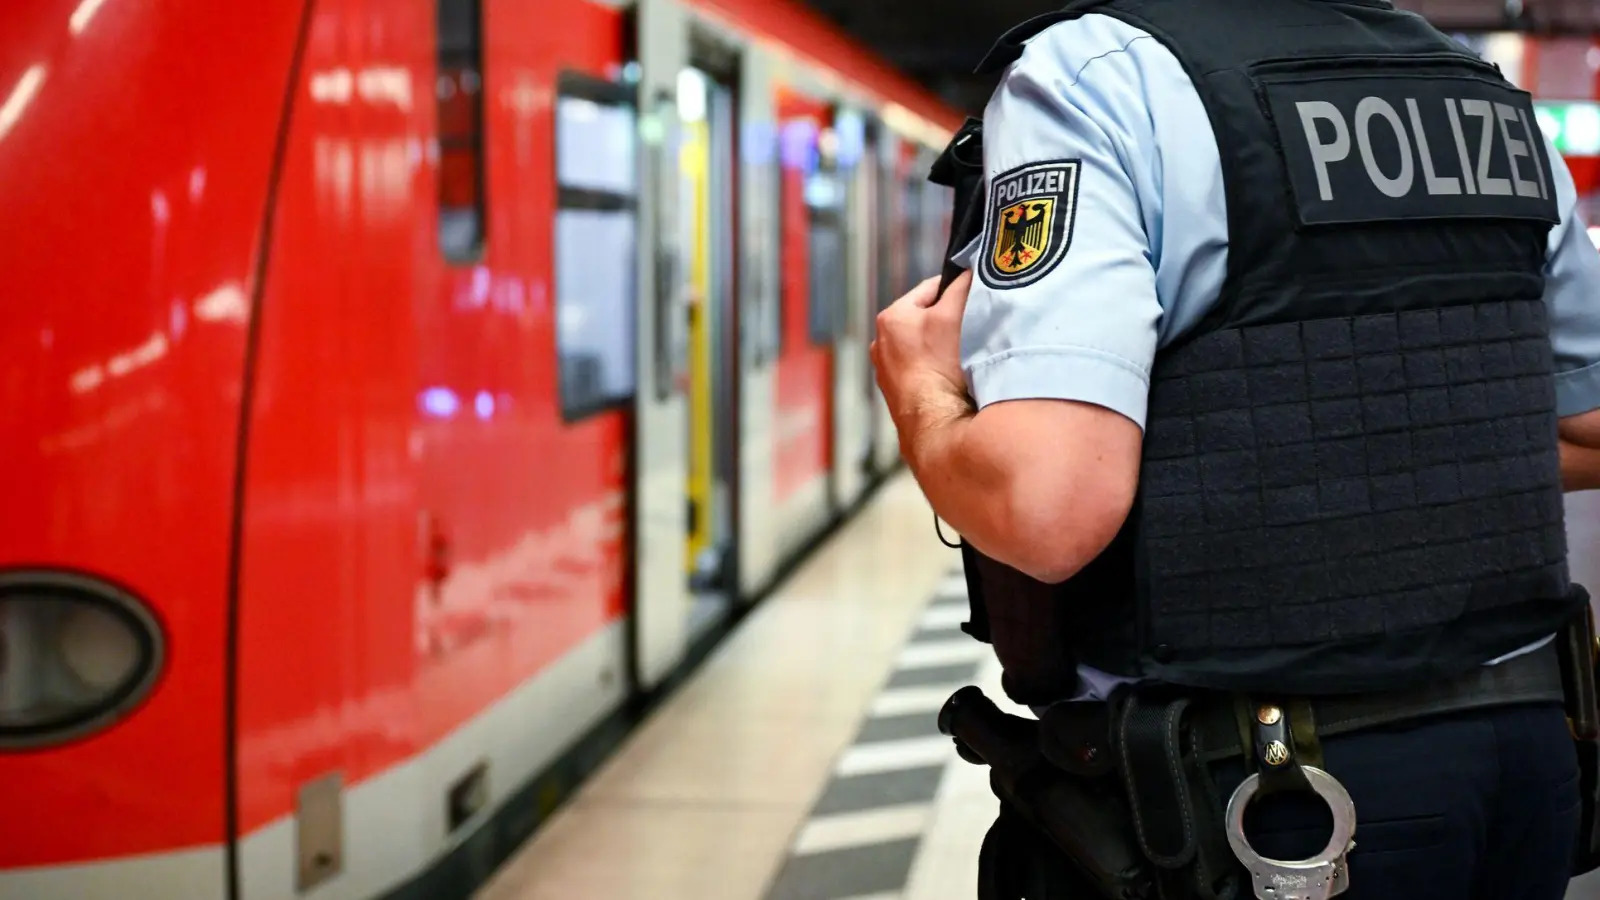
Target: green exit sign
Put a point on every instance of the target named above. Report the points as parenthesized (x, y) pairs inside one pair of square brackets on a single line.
[(1573, 127)]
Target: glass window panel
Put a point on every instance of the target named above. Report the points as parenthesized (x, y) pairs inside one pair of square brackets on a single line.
[(595, 148), (595, 297), (458, 90)]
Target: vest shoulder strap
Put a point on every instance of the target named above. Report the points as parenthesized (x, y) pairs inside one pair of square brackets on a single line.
[(960, 168), (1006, 50)]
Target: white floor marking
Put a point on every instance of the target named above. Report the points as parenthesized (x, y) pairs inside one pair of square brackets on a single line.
[(946, 866), (859, 829), (945, 616), (890, 756), (942, 653), (903, 701)]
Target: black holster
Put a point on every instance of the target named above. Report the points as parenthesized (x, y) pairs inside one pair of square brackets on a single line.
[(1579, 652), (1071, 813), (1079, 813)]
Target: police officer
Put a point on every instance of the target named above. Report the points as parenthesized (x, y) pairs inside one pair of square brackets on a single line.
[(1279, 343)]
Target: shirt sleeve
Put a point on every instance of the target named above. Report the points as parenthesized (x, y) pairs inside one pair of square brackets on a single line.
[(1064, 302), (1572, 295)]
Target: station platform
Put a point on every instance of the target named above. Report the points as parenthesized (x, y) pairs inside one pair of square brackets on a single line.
[(801, 762)]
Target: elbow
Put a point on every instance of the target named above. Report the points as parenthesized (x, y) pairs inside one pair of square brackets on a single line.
[(1054, 534), (1052, 569), (1580, 468), (1059, 486), (1056, 561)]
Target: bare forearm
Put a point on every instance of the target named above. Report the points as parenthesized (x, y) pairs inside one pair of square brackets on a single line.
[(1041, 486), (962, 481)]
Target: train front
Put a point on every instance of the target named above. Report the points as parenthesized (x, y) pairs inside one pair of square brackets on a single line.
[(136, 147)]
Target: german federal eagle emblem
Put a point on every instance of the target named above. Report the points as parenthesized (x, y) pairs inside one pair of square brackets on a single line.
[(1030, 225), (1024, 234)]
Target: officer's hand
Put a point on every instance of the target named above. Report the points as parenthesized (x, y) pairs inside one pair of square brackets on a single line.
[(918, 348)]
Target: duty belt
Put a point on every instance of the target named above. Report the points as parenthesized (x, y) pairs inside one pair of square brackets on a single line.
[(1533, 677), (1123, 789)]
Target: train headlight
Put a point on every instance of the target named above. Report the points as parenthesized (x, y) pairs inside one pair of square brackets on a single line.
[(75, 655)]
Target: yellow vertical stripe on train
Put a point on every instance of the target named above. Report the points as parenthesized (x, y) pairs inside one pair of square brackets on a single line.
[(696, 168)]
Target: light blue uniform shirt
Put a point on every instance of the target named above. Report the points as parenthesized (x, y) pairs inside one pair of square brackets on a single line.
[(1149, 244)]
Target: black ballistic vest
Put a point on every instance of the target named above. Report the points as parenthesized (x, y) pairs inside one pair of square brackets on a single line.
[(1350, 478)]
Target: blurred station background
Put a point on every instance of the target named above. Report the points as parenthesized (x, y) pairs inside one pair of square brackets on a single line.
[(439, 455)]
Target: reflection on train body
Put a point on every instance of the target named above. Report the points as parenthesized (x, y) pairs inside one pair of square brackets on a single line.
[(439, 376)]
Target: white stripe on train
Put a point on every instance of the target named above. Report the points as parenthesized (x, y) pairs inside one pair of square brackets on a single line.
[(394, 823)]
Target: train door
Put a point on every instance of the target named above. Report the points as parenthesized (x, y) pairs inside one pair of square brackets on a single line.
[(760, 325), (811, 203), (431, 578), (903, 198), (852, 417), (706, 100), (824, 197), (661, 600), (882, 441), (877, 228), (330, 575)]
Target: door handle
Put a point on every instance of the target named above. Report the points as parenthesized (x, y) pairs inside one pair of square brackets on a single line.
[(436, 551)]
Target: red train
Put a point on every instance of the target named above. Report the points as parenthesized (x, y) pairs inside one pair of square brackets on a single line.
[(395, 393)]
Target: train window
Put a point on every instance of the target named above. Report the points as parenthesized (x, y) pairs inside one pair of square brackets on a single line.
[(596, 244), (828, 271), (594, 145), (826, 277), (459, 90)]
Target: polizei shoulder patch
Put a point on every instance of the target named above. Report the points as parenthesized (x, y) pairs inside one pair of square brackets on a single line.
[(1029, 226)]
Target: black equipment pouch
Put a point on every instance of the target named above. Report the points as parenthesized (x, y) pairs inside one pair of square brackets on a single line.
[(1177, 814), (1579, 651)]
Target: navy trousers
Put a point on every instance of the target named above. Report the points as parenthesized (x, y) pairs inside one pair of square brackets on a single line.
[(1470, 806)]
